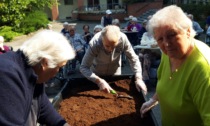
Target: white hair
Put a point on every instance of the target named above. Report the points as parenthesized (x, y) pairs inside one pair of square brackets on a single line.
[(65, 23), (98, 27), (111, 31), (190, 16), (134, 19), (115, 22), (49, 26), (172, 16), (50, 45)]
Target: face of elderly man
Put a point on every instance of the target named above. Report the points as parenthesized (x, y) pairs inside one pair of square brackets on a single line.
[(109, 44), (110, 38)]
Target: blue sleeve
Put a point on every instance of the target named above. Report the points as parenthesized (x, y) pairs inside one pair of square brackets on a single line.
[(82, 40), (48, 114), (208, 20), (208, 31), (13, 110)]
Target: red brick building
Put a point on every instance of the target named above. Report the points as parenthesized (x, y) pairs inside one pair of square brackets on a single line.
[(94, 9)]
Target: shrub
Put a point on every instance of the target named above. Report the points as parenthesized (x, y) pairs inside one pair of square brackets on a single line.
[(8, 33), (34, 21)]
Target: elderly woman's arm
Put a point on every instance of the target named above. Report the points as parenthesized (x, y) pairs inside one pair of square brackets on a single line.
[(149, 104), (47, 113)]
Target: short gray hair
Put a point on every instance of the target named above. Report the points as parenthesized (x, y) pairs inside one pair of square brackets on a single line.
[(111, 31), (115, 22), (190, 16), (65, 23), (172, 16), (50, 45), (98, 27)]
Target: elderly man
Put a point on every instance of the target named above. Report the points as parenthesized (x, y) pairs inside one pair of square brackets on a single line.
[(103, 57), (107, 19)]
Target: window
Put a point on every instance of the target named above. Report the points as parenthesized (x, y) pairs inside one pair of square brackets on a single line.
[(112, 3), (93, 3), (68, 2)]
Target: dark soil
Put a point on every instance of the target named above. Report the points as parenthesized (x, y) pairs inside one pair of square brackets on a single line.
[(96, 108)]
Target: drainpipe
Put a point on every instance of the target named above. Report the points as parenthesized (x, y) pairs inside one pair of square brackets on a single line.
[(55, 13)]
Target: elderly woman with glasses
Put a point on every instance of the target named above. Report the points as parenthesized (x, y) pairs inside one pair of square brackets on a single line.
[(183, 88), (103, 58)]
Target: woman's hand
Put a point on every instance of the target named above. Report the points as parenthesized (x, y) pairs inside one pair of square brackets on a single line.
[(147, 106)]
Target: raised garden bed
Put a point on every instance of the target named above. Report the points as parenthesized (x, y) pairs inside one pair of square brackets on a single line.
[(82, 104)]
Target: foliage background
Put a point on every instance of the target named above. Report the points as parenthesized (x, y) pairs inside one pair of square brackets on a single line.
[(22, 16), (199, 11)]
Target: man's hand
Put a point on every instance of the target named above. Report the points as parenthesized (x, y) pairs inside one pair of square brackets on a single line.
[(103, 85), (147, 106), (140, 85)]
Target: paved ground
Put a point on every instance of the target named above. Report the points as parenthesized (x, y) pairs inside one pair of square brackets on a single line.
[(57, 26)]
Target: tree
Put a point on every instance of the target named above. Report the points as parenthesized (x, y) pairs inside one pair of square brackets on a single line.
[(14, 11)]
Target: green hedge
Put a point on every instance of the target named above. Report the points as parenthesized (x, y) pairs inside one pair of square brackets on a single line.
[(34, 21), (8, 33), (199, 11)]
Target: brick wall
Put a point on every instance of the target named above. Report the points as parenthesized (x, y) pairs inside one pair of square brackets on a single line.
[(139, 8), (97, 17), (133, 9)]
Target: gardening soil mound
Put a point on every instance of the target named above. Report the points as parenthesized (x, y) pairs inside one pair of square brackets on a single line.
[(86, 107)]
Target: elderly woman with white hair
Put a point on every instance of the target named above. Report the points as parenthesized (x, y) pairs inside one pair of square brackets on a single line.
[(116, 22), (183, 88), (97, 29), (103, 58), (22, 74)]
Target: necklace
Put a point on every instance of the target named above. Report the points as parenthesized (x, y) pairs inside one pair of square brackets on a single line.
[(172, 73), (184, 58)]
